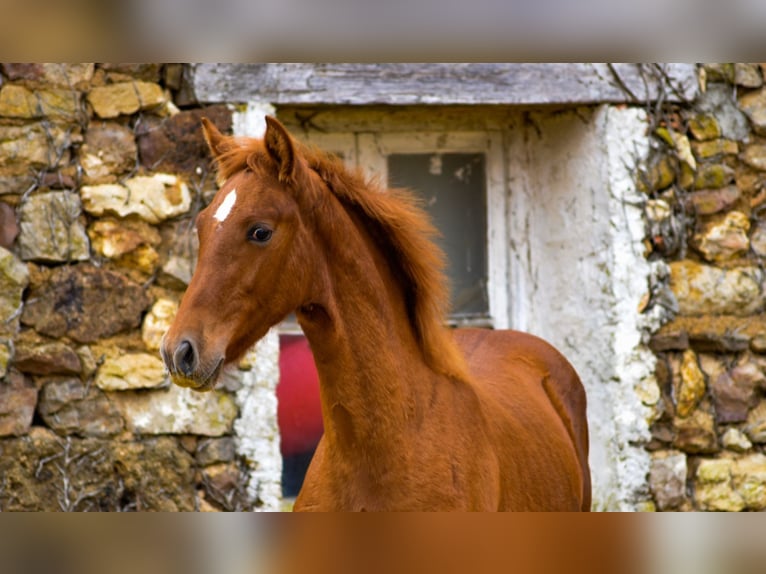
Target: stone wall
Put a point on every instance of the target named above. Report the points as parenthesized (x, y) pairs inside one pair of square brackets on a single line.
[(706, 229), (102, 170)]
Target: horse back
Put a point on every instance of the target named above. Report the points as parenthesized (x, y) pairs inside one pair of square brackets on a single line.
[(538, 391)]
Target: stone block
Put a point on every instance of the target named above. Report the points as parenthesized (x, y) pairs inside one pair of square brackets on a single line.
[(152, 198), (691, 387), (51, 230), (703, 289), (749, 478), (704, 127), (109, 150), (713, 176), (667, 479), (711, 201), (69, 406), (754, 106), (114, 238), (755, 156), (177, 410), (120, 372), (18, 397), (725, 239), (157, 322), (755, 427), (714, 488), (125, 98), (47, 358), (85, 303), (14, 278)]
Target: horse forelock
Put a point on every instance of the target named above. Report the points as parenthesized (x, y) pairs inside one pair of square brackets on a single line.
[(407, 237)]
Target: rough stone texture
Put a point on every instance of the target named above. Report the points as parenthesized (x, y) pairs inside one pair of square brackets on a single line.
[(704, 127), (696, 433), (758, 239), (157, 321), (14, 278), (176, 144), (18, 397), (713, 176), (36, 146), (114, 238), (733, 439), (702, 289), (691, 386), (755, 156), (754, 106), (726, 239), (69, 406), (714, 148), (710, 201), (152, 198), (19, 102), (714, 488), (717, 333), (5, 357), (47, 358), (108, 152), (125, 98), (213, 450), (177, 410), (733, 395), (755, 427), (51, 229), (9, 228), (45, 471), (667, 479), (85, 303), (749, 479), (131, 371)]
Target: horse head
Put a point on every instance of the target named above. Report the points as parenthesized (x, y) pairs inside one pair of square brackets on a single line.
[(252, 268)]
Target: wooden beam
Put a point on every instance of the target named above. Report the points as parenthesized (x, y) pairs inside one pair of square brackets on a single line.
[(417, 84)]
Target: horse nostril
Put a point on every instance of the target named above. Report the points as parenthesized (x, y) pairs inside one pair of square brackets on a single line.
[(185, 358)]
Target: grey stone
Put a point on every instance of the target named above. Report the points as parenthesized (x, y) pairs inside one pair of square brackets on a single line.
[(213, 450), (51, 230), (667, 479), (754, 106), (14, 278), (69, 406), (718, 100)]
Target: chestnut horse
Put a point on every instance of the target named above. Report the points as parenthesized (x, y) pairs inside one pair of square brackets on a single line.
[(416, 416)]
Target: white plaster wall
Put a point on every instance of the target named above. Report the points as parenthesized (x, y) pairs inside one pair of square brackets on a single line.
[(577, 274)]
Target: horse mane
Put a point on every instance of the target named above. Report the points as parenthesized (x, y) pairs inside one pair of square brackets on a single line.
[(405, 232)]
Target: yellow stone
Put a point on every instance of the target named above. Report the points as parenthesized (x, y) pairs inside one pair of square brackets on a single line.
[(692, 387), (157, 322)]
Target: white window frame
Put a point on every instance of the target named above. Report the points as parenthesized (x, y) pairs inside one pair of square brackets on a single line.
[(373, 150)]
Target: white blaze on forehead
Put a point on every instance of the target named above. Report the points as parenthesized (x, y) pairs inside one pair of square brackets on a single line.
[(227, 204)]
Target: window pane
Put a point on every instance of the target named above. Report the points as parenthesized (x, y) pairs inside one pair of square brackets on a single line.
[(453, 187)]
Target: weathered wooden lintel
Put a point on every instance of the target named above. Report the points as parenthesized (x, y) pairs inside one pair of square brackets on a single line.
[(445, 84)]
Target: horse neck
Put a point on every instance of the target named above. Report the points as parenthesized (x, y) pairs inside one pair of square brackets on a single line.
[(373, 378)]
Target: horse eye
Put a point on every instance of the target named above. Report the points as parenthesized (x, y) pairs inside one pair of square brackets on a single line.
[(259, 234)]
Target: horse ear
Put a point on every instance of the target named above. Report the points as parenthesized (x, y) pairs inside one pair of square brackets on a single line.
[(216, 141), (280, 146)]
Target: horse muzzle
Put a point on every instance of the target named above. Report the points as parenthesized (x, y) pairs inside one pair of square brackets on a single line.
[(186, 368)]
